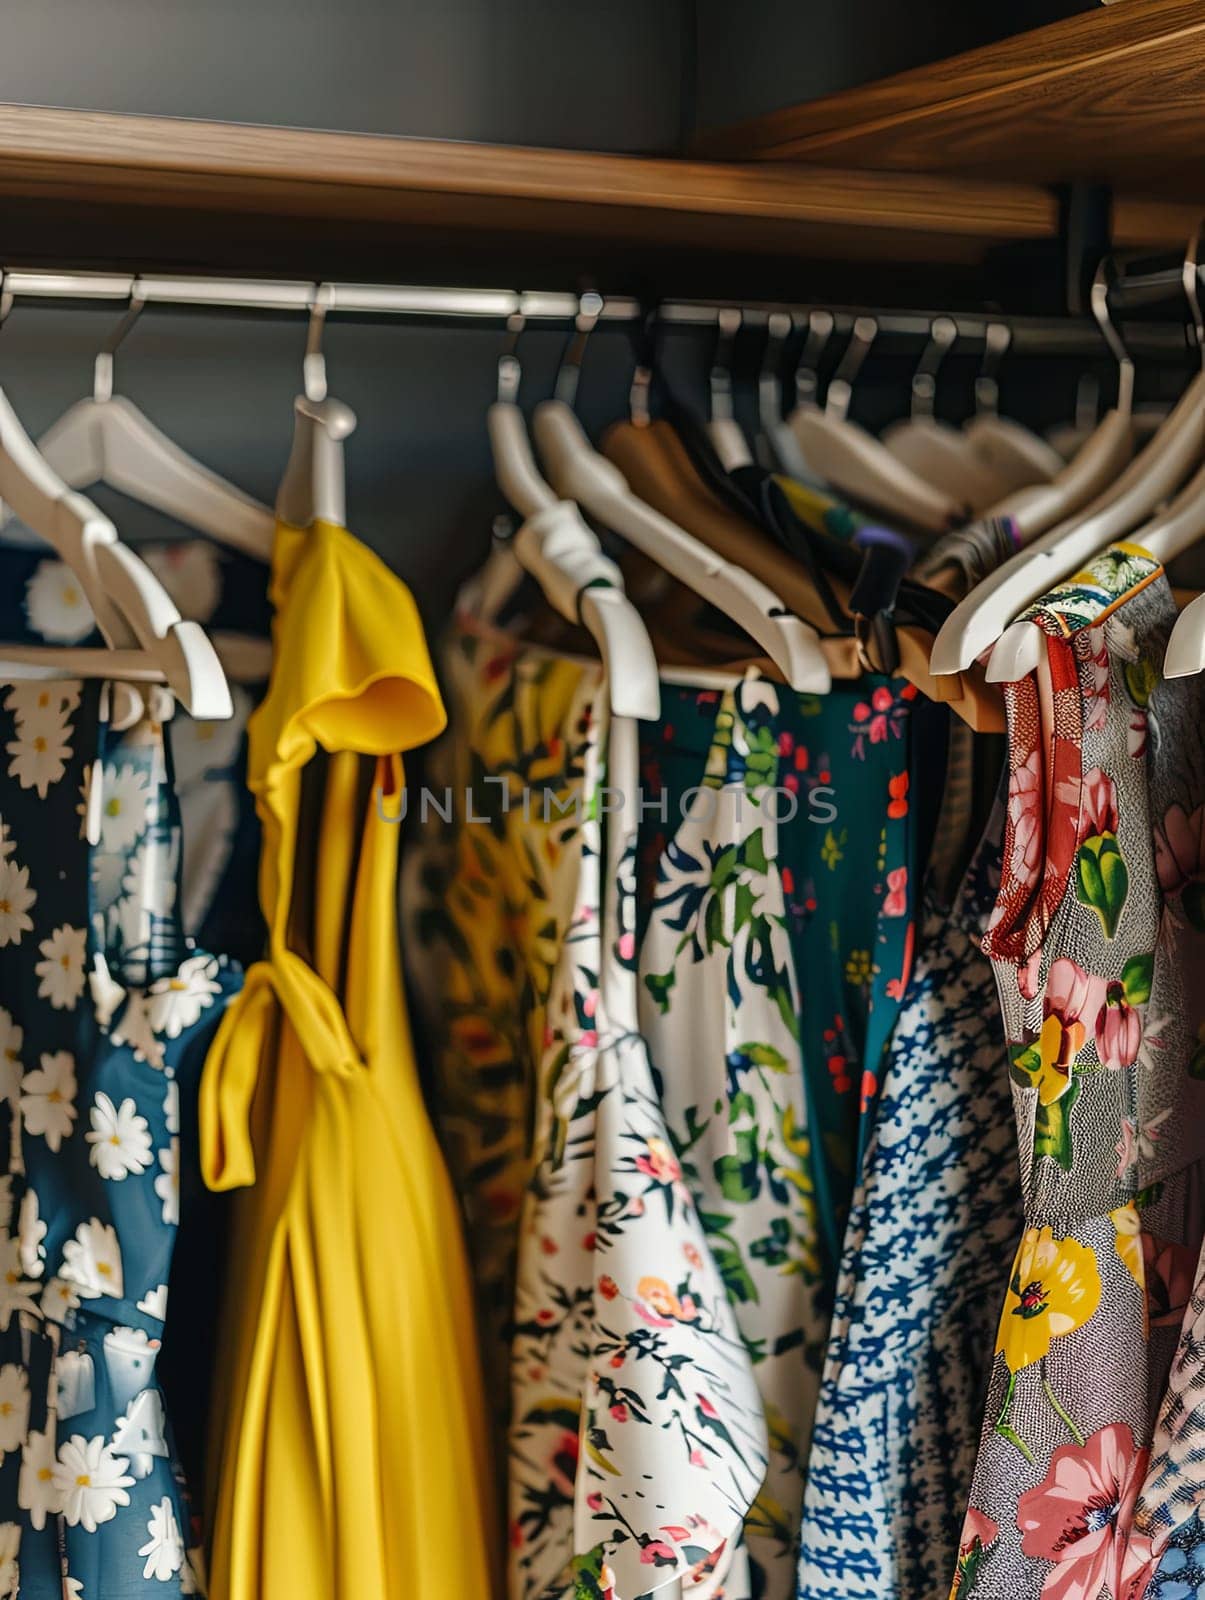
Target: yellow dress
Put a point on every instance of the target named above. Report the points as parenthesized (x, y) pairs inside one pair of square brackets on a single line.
[(350, 1431)]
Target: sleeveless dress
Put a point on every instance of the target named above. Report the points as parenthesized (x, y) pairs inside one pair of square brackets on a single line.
[(41, 602), (1098, 944), (106, 1011), (350, 1456)]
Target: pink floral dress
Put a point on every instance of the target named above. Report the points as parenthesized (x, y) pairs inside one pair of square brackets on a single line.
[(1097, 944)]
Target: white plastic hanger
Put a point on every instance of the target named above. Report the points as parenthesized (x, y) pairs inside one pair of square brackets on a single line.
[(313, 488), (937, 451), (983, 618), (578, 472), (556, 547), (724, 431), (1017, 454), (1101, 457), (856, 463), (148, 639), (778, 444), (107, 439)]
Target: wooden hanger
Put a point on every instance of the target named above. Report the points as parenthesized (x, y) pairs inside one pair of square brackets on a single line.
[(656, 463)]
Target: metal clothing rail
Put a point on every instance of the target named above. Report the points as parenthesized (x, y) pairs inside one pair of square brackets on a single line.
[(1030, 335)]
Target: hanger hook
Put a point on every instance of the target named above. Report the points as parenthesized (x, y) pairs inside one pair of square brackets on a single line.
[(510, 370), (1101, 284), (840, 390), (807, 374), (313, 366), (589, 309), (769, 390), (639, 410), (102, 369), (997, 337), (943, 334), (719, 381), (1192, 289)]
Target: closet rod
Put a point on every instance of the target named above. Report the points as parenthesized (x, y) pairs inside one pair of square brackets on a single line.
[(1030, 335)]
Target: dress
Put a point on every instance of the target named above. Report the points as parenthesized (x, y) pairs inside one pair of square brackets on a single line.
[(778, 897), (897, 1422), (1096, 940), (41, 602), (351, 1455), (638, 1441), (106, 1012)]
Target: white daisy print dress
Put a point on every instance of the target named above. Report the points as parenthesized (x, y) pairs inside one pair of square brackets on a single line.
[(106, 1011)]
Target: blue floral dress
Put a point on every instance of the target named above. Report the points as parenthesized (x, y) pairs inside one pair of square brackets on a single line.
[(41, 602), (106, 1010)]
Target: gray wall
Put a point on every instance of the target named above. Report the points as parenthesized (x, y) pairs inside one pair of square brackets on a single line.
[(612, 74), (760, 57), (602, 76)]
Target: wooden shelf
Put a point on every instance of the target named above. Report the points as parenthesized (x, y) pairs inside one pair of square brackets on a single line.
[(93, 189), (1114, 96)]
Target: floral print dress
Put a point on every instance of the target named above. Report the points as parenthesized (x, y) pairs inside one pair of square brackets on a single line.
[(638, 1441), (778, 909), (106, 1011), (41, 602), (1096, 940)]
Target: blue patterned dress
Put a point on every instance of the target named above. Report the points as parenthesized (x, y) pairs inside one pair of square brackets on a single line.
[(106, 1011), (897, 1422)]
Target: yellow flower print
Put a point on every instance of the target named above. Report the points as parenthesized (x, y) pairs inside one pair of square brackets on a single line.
[(1059, 1045), (1127, 1226), (857, 967), (831, 851), (1055, 1288)]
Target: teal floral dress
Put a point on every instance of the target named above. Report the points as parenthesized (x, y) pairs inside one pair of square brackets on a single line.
[(106, 1010)]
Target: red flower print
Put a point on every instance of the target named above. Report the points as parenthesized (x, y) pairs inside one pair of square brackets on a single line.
[(696, 1457), (656, 1553), (659, 1162), (626, 946), (801, 758), (1028, 974), (908, 692), (896, 902), (588, 1040), (1118, 1030), (1180, 850), (562, 1467), (861, 711), (589, 1241), (544, 1316), (706, 1407), (619, 1412), (1170, 1272), (1080, 1517), (1025, 814), (549, 1246), (881, 699), (1098, 805), (516, 1536), (786, 743), (692, 1254), (616, 1362), (869, 1088), (897, 789), (595, 1501), (607, 1287)]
